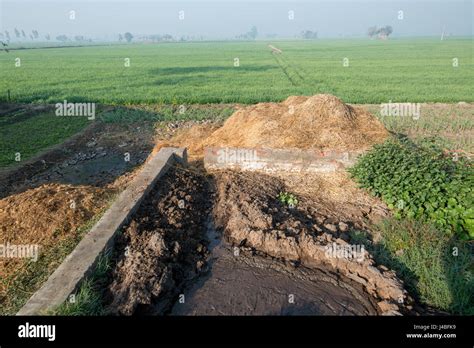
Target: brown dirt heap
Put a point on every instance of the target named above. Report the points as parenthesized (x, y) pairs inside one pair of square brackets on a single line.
[(321, 122), (44, 216)]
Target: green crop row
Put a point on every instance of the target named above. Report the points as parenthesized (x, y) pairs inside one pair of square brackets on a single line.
[(400, 70)]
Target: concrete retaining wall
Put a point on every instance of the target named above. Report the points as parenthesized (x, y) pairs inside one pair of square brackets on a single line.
[(276, 160), (77, 265)]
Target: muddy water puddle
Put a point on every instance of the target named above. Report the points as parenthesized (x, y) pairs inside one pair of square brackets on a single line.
[(170, 260), (239, 283)]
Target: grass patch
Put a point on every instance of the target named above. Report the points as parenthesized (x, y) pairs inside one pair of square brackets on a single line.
[(419, 70), (128, 115), (21, 285), (436, 268), (88, 299), (30, 135), (159, 113), (451, 125)]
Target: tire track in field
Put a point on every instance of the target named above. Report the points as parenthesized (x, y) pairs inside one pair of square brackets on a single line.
[(295, 74), (294, 67), (305, 78), (286, 69)]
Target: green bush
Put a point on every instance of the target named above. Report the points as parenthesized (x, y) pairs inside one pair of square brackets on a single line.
[(420, 181)]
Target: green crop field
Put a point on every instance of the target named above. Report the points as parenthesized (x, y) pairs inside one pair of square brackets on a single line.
[(401, 70)]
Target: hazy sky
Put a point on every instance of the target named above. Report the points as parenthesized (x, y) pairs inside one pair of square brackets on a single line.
[(228, 18)]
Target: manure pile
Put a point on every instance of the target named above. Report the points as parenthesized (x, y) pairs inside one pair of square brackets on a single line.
[(320, 122)]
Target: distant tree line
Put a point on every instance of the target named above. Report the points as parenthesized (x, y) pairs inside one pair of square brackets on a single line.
[(155, 38), (158, 38), (4, 46), (20, 34), (309, 35), (381, 33), (250, 35)]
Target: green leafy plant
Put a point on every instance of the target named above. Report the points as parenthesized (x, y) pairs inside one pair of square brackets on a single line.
[(420, 181), (288, 199)]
